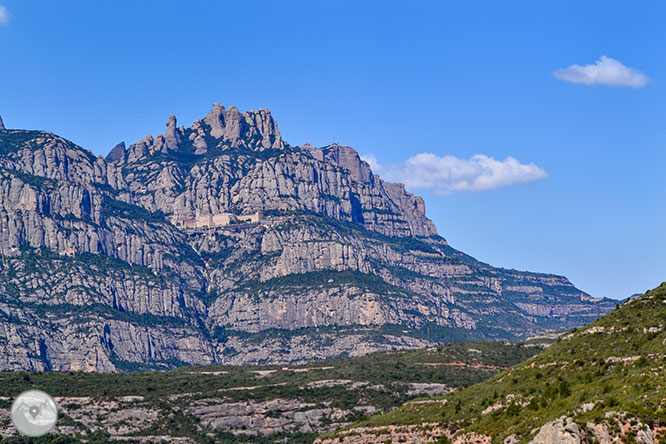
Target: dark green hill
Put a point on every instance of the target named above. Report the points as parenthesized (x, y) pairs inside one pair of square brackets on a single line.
[(606, 379)]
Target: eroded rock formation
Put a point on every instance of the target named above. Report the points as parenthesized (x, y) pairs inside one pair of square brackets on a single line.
[(96, 277)]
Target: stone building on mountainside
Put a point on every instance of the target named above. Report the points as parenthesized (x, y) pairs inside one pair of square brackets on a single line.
[(217, 220)]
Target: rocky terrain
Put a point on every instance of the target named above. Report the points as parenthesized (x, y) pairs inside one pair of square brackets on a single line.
[(254, 404), (96, 277), (603, 383)]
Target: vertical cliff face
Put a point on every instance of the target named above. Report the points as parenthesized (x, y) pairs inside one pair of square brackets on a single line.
[(381, 206), (343, 263), (238, 162), (77, 259)]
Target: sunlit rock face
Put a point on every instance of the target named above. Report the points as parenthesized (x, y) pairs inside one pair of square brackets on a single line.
[(98, 276)]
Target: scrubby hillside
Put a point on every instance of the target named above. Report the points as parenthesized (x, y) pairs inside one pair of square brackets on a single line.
[(254, 404), (603, 383)]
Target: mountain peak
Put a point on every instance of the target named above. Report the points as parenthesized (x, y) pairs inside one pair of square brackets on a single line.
[(257, 127), (172, 137), (171, 123), (221, 127), (215, 119), (117, 153)]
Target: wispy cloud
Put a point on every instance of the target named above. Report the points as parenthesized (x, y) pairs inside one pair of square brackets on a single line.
[(372, 161), (449, 174), (4, 15), (605, 71)]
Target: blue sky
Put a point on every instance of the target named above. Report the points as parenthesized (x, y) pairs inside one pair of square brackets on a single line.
[(393, 80)]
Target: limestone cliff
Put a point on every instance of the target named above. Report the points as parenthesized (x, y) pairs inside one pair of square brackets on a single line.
[(96, 277), (238, 162)]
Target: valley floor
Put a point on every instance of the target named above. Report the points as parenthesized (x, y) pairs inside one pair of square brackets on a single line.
[(257, 404)]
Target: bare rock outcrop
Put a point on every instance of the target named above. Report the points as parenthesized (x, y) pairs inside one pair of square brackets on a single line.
[(117, 154), (560, 431), (256, 127)]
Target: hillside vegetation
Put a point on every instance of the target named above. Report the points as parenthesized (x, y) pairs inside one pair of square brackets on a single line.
[(603, 381), (253, 404)]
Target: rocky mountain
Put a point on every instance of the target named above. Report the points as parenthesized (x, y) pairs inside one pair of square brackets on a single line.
[(106, 264), (238, 162), (603, 383)]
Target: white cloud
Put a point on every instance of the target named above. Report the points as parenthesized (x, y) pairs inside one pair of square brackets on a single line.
[(605, 71), (372, 161), (449, 174), (4, 15)]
